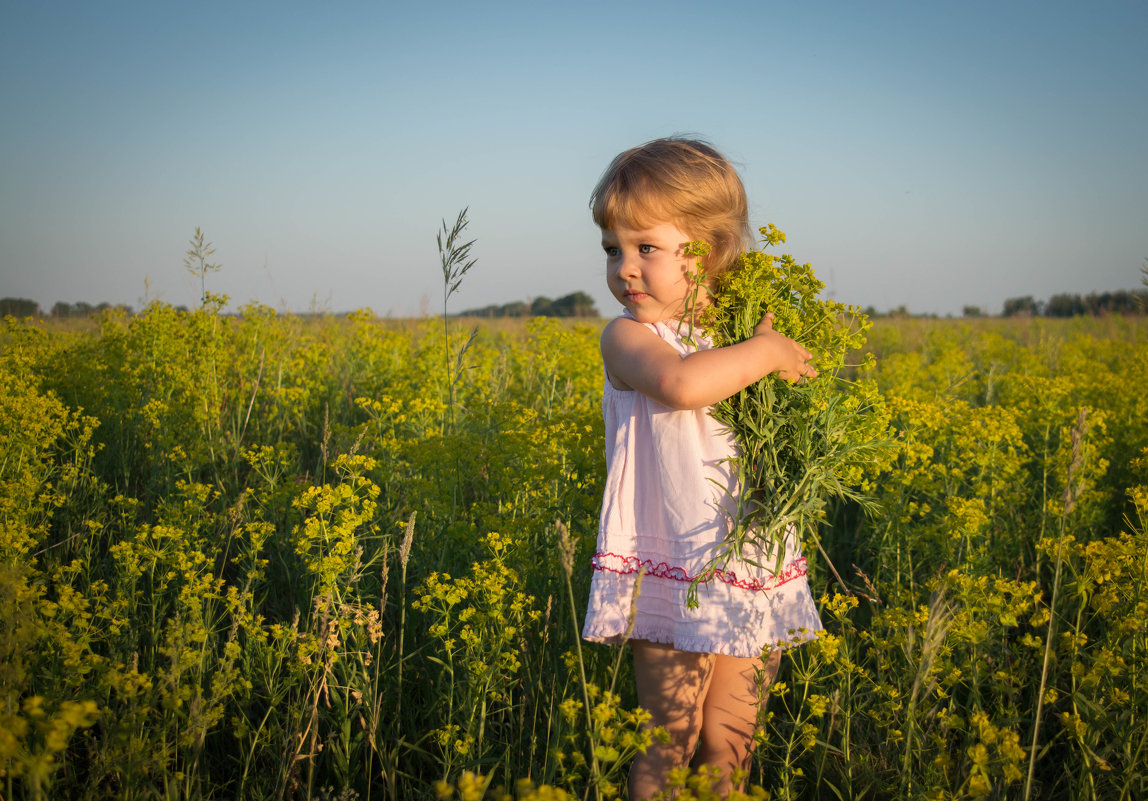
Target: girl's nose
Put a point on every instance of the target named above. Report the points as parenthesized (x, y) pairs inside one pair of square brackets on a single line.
[(628, 266)]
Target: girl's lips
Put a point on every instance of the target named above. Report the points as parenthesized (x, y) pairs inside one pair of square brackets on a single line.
[(635, 295)]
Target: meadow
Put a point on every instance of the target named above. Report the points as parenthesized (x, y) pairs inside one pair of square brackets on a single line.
[(268, 557)]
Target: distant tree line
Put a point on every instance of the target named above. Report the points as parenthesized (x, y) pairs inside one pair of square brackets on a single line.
[(576, 304), (22, 307), (1122, 301), (81, 309), (579, 304), (19, 307)]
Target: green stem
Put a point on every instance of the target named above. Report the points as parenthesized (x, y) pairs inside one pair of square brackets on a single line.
[(595, 772)]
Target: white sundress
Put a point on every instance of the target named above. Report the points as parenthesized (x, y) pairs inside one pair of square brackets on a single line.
[(664, 509)]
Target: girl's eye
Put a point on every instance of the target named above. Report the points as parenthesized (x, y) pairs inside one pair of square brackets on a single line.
[(646, 249), (611, 252)]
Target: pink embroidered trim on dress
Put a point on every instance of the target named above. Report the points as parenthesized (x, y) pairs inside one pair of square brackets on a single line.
[(625, 565)]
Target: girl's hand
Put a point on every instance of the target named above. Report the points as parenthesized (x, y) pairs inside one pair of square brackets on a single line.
[(792, 359)]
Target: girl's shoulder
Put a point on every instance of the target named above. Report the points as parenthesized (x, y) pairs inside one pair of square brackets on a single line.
[(627, 338), (625, 342), (627, 332), (626, 325), (624, 330)]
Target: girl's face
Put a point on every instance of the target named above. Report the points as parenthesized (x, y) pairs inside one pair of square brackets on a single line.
[(648, 270)]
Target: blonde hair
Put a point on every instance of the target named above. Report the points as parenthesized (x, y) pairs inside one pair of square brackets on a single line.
[(682, 181)]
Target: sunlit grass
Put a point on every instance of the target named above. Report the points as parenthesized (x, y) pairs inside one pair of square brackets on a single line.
[(208, 588)]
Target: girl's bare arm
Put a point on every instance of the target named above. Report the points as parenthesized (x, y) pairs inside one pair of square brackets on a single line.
[(638, 359)]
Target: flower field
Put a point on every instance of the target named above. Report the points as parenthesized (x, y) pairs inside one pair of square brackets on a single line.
[(267, 557)]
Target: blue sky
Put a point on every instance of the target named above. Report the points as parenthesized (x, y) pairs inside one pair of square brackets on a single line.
[(921, 154)]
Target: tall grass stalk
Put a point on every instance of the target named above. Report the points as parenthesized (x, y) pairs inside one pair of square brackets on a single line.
[(196, 262), (566, 552), (404, 558), (936, 629), (1071, 491), (630, 619), (456, 263)]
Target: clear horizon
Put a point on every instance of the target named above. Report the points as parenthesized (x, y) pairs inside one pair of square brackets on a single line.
[(924, 156)]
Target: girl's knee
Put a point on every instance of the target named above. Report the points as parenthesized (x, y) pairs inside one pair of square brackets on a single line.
[(724, 752), (668, 756), (683, 742), (649, 771), (727, 757)]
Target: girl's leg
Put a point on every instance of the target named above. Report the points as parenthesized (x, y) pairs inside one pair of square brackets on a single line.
[(729, 713), (671, 686)]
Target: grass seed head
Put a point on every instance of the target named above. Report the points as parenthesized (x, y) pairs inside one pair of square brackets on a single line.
[(408, 537), (565, 548)]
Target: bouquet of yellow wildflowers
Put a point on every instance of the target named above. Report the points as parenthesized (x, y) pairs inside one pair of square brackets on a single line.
[(799, 444)]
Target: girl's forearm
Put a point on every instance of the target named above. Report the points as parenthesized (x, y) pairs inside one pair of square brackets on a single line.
[(706, 377), (637, 359)]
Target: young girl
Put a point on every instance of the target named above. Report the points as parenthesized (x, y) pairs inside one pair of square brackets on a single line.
[(669, 480)]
